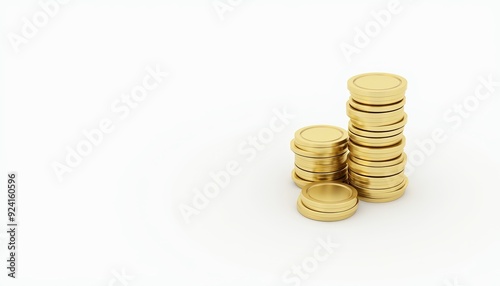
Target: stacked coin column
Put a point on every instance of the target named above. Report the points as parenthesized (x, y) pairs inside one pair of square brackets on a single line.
[(320, 154), (376, 141)]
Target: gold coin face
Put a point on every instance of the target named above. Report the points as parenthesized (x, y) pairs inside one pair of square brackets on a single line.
[(329, 196), (320, 136), (377, 84), (324, 216)]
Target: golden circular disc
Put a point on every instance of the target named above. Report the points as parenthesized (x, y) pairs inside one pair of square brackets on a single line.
[(383, 200), (376, 100), (376, 182), (301, 182), (337, 150), (353, 147), (376, 108), (324, 216), (320, 136), (384, 195), (320, 168), (376, 171), (377, 84), (310, 176), (379, 191), (326, 153), (376, 117), (336, 160), (382, 128), (329, 196), (368, 123), (375, 142), (374, 134), (367, 163)]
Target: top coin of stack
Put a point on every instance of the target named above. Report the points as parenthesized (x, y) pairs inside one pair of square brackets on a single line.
[(320, 154), (376, 141)]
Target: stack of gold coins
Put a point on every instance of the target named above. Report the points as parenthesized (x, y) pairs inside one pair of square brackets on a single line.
[(327, 201), (320, 154), (376, 142)]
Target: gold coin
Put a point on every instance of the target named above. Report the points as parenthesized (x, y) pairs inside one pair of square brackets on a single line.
[(375, 182), (335, 160), (329, 196), (379, 191), (377, 150), (320, 168), (374, 134), (320, 151), (383, 200), (380, 118), (324, 216), (382, 101), (382, 128), (384, 195), (376, 108), (310, 176), (326, 153), (301, 182), (367, 163), (320, 136), (377, 84), (375, 141), (376, 171)]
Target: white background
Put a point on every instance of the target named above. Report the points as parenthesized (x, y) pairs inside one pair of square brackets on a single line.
[(118, 210)]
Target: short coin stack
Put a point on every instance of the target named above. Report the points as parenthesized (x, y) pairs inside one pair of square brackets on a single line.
[(327, 201), (320, 154), (376, 141)]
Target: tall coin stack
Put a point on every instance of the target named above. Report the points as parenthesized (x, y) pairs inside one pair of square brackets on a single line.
[(376, 142), (320, 154)]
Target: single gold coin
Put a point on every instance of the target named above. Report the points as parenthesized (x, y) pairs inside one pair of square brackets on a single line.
[(329, 196), (367, 163), (324, 216), (301, 182), (384, 195), (320, 136), (375, 141), (320, 168), (374, 134), (335, 160), (382, 128), (377, 84), (378, 100), (375, 182), (323, 153), (376, 108), (388, 117), (379, 191), (311, 176), (376, 171), (326, 152), (377, 153), (383, 200), (369, 124)]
